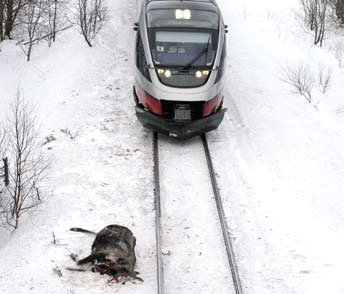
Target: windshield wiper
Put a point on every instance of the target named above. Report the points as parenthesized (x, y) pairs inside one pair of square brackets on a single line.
[(199, 55)]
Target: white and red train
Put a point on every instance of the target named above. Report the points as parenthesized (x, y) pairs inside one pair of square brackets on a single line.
[(180, 66)]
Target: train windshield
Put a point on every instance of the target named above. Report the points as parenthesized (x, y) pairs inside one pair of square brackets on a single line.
[(183, 38)]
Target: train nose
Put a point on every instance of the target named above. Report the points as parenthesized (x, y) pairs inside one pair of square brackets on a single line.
[(180, 129)]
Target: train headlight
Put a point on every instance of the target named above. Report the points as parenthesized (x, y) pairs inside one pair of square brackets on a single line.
[(198, 74), (205, 73), (160, 71), (168, 73), (183, 14), (187, 14)]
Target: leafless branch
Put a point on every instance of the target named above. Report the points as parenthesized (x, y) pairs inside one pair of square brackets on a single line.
[(49, 35), (300, 78), (324, 78)]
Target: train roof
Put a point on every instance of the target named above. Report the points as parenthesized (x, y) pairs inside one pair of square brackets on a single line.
[(187, 4)]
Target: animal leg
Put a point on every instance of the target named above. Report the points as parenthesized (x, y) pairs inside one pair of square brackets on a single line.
[(88, 259)]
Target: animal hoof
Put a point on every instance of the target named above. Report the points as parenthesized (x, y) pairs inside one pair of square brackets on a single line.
[(112, 281), (74, 257)]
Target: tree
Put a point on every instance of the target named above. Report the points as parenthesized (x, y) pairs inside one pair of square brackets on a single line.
[(340, 10), (33, 14), (28, 165), (11, 10), (52, 8), (2, 15), (315, 16), (90, 17), (9, 18)]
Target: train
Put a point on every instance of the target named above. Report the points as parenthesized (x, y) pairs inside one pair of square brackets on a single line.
[(180, 56)]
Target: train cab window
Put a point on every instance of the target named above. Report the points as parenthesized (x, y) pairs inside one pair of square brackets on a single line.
[(141, 61), (171, 48)]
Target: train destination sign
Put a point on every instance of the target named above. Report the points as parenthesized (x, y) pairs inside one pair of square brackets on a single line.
[(183, 18)]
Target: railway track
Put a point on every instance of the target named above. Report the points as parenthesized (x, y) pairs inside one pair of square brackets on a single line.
[(215, 259)]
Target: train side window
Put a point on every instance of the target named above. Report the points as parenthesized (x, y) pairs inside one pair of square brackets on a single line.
[(222, 62), (141, 61)]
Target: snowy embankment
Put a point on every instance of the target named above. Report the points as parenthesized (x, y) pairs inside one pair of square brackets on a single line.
[(279, 161), (100, 177)]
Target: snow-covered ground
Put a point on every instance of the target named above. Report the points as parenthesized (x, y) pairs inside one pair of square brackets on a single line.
[(279, 160)]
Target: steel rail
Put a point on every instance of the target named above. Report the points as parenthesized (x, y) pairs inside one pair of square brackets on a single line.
[(160, 266), (222, 218)]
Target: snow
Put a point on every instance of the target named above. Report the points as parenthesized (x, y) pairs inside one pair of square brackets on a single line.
[(279, 163), (190, 225), (283, 176)]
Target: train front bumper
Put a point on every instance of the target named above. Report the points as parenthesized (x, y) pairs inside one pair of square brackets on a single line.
[(180, 130)]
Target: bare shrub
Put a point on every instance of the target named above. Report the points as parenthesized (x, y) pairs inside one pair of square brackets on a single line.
[(27, 165), (90, 17), (300, 78), (324, 78)]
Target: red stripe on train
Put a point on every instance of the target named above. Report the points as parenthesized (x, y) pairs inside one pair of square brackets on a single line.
[(211, 106), (148, 101)]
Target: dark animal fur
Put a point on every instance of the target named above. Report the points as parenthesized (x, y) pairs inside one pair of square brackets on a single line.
[(113, 252)]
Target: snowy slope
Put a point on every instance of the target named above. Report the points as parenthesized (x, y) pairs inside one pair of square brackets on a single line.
[(283, 177), (103, 176), (279, 161)]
